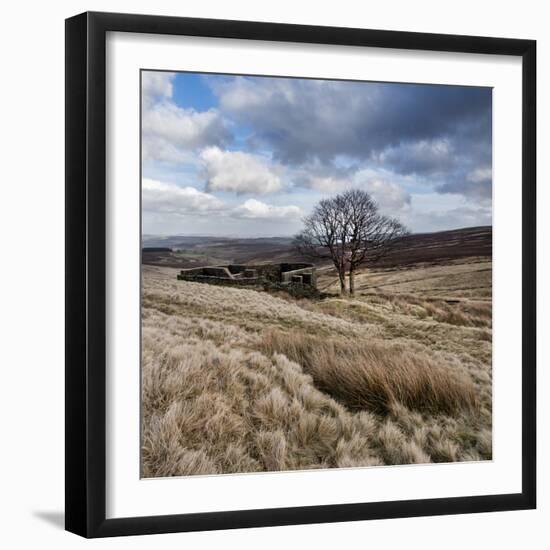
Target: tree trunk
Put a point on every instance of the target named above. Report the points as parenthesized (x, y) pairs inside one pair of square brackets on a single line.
[(351, 282), (342, 278)]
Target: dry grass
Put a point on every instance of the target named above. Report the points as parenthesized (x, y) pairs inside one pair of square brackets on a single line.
[(235, 380), (375, 376), (457, 277), (207, 411), (464, 313)]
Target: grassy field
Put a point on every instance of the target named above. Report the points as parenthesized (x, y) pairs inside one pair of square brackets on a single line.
[(238, 380)]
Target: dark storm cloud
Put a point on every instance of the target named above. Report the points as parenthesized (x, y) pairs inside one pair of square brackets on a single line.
[(476, 185), (458, 165), (301, 120), (421, 157), (439, 135)]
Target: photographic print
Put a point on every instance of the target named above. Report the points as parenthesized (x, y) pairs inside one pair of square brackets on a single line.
[(316, 272)]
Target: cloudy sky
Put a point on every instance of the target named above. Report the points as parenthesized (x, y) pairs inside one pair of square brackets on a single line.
[(250, 156)]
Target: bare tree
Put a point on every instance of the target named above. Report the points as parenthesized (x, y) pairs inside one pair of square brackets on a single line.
[(371, 235), (349, 230), (322, 236)]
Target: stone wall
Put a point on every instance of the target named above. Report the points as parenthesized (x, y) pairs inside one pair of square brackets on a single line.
[(294, 266), (220, 280), (284, 274), (217, 271), (296, 289), (307, 274)]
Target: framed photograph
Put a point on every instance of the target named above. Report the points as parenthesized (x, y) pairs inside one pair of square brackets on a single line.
[(300, 274)]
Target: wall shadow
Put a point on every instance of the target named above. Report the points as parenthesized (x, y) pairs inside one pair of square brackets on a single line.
[(55, 518)]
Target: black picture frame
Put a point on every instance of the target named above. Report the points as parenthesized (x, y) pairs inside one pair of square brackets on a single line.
[(86, 274)]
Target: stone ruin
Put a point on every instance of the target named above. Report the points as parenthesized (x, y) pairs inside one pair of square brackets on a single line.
[(285, 275)]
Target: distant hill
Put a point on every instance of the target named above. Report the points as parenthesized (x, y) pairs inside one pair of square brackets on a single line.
[(420, 247), (156, 249), (184, 241), (442, 245)]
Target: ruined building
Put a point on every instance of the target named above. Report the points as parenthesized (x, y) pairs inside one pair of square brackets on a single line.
[(274, 275)]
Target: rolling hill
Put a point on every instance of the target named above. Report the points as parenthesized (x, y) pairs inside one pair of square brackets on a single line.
[(191, 251)]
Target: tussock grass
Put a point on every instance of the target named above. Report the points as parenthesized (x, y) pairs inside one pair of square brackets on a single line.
[(375, 376), (206, 411)]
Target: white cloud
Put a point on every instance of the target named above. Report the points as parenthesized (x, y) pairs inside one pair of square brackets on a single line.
[(389, 195), (156, 85), (329, 184), (239, 172), (170, 131), (168, 199), (160, 149), (254, 209), (158, 196)]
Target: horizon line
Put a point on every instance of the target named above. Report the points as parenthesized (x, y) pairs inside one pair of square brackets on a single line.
[(290, 236)]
